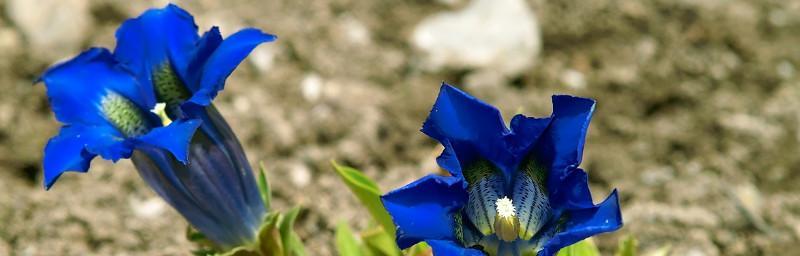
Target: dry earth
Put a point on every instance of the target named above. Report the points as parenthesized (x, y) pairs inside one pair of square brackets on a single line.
[(697, 120)]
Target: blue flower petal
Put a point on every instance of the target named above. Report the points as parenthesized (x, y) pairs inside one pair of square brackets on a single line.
[(76, 87), (574, 193), (225, 58), (76, 145), (468, 124), (581, 224), (450, 248), (157, 37), (209, 42), (526, 132), (222, 148), (424, 209), (561, 145), (174, 138), (107, 142), (448, 160), (65, 152)]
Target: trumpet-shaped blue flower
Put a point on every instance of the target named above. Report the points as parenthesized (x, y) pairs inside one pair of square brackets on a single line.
[(195, 163), (104, 114), (514, 191), (185, 72)]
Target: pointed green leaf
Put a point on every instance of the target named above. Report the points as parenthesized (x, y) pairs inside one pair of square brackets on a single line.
[(291, 242), (582, 248), (269, 237), (627, 246), (263, 185), (346, 243), (368, 193), (380, 242)]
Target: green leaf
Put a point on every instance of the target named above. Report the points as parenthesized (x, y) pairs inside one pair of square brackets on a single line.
[(269, 238), (263, 185), (204, 246), (380, 242), (346, 243), (627, 246), (276, 237), (194, 235), (292, 244), (368, 193), (204, 252), (582, 248), (419, 249)]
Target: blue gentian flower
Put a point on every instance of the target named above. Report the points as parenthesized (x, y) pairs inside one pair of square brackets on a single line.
[(516, 191), (195, 163), (105, 114), (184, 71)]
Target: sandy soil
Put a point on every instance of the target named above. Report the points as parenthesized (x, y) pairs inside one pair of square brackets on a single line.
[(697, 120)]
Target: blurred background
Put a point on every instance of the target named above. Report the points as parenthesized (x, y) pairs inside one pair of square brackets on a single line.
[(696, 123)]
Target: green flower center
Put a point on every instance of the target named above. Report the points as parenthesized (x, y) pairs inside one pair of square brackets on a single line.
[(169, 88), (130, 119), (124, 115)]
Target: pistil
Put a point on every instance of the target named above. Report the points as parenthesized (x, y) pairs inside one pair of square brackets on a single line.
[(506, 223)]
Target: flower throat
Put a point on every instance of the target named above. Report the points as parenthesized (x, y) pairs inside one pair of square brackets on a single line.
[(169, 88), (124, 115)]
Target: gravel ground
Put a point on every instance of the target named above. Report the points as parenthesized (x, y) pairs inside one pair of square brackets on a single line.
[(696, 123)]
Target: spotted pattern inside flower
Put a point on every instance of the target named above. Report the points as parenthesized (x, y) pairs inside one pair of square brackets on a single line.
[(169, 88), (545, 235), (465, 232), (459, 228), (485, 186), (530, 198), (499, 211), (124, 115)]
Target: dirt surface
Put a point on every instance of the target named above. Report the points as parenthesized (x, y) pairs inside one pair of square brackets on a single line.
[(696, 123)]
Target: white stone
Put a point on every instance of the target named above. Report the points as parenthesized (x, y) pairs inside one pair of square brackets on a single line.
[(751, 203), (148, 208), (355, 31), (311, 87), (646, 49), (242, 104), (9, 41), (573, 79), (785, 70), (779, 18), (263, 57), (502, 35), (54, 28), (300, 175)]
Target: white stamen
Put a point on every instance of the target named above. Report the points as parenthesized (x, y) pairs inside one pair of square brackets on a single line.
[(160, 109), (505, 208)]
